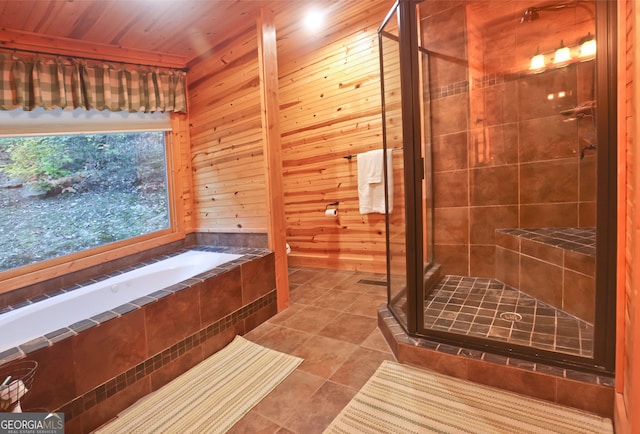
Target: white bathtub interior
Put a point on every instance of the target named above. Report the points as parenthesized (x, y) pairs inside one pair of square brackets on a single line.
[(32, 321)]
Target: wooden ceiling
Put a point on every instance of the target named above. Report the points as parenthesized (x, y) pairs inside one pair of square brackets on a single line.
[(173, 32)]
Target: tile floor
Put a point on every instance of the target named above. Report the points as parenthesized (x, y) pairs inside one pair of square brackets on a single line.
[(490, 309), (332, 324)]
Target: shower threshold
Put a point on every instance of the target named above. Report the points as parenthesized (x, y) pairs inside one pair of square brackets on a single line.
[(487, 308)]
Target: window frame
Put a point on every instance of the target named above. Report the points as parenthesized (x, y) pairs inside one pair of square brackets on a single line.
[(16, 278)]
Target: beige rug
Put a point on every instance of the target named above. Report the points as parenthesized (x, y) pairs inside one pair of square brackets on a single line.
[(212, 396), (402, 399)]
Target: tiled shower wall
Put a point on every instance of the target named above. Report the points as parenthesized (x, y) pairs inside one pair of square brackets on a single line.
[(504, 156)]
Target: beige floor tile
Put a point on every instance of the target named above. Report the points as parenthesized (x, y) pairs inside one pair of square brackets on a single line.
[(254, 423), (283, 316), (259, 331), (323, 356), (309, 319), (350, 328), (376, 341), (358, 283), (361, 365), (306, 294), (335, 299), (367, 305), (329, 278), (283, 339), (301, 276), (283, 401), (315, 414)]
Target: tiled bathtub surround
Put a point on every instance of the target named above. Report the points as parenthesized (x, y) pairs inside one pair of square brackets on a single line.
[(154, 365), (105, 363), (554, 265), (73, 329), (473, 306), (34, 292)]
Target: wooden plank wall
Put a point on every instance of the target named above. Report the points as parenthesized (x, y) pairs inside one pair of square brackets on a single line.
[(627, 403), (226, 137), (182, 175), (329, 93), (329, 108)]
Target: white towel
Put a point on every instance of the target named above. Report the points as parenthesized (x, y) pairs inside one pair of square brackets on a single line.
[(371, 181), (370, 166)]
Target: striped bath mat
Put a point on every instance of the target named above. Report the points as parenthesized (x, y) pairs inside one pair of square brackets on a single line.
[(212, 396), (402, 399)]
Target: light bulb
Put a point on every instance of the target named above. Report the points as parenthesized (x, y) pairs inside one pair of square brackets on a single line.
[(537, 62), (563, 54), (314, 19), (588, 48)]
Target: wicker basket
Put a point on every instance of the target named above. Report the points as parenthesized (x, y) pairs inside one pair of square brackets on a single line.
[(20, 379)]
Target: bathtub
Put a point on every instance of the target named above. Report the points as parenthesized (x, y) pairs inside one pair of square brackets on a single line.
[(32, 321)]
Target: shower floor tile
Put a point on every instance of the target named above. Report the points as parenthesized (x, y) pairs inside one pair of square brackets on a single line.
[(490, 309)]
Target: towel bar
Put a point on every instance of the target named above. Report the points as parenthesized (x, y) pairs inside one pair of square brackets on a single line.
[(350, 156)]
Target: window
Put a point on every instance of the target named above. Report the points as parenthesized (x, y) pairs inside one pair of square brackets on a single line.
[(63, 194), (74, 180)]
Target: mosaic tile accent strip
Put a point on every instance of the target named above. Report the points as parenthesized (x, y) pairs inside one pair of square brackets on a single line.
[(496, 79), (147, 367), (451, 89)]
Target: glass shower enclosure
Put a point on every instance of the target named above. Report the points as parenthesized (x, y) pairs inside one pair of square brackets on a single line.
[(406, 133), (501, 234)]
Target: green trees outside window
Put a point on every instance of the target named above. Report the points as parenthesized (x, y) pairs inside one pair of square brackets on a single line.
[(65, 194)]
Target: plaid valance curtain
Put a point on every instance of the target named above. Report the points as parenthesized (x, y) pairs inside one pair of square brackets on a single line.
[(50, 83)]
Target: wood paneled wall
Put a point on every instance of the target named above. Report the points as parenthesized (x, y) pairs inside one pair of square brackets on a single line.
[(182, 176), (329, 97), (226, 138), (627, 405), (329, 108)]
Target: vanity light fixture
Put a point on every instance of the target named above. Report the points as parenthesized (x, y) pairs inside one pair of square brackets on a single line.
[(588, 46), (584, 50), (537, 61), (563, 54)]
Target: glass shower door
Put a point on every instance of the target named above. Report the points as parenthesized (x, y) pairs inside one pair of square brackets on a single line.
[(485, 149), (406, 132), (389, 44)]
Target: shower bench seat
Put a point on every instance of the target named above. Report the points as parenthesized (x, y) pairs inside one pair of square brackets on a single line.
[(555, 265)]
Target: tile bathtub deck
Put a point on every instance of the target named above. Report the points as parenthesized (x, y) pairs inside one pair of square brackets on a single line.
[(332, 324)]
